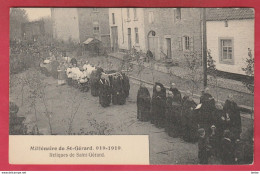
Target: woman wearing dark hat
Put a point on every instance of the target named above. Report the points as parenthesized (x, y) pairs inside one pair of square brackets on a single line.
[(176, 93), (203, 147), (206, 110), (118, 93), (126, 84), (220, 121), (158, 105), (227, 148), (104, 91), (232, 112), (189, 122), (143, 103)]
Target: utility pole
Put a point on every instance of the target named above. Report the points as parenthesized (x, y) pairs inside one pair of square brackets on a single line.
[(204, 44)]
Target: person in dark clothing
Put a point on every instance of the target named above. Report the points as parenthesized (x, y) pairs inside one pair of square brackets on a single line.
[(149, 56), (203, 147), (232, 111), (143, 103), (74, 62), (220, 121), (176, 93), (227, 149), (189, 122), (213, 141), (104, 91), (206, 111), (94, 81), (158, 104), (172, 116), (118, 93), (126, 84), (169, 113)]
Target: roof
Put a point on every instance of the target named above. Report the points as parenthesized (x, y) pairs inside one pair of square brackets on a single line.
[(218, 14), (89, 40)]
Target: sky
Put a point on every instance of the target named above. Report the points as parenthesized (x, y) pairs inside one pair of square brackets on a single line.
[(37, 13)]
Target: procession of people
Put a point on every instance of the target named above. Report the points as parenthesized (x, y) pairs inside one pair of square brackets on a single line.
[(214, 126), (109, 86)]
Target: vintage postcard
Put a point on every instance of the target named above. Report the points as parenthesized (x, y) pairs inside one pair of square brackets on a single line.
[(158, 86)]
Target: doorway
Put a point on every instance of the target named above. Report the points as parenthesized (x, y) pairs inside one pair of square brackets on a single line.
[(153, 44), (114, 38), (169, 47), (129, 39)]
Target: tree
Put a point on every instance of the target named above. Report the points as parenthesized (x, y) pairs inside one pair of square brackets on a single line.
[(250, 71), (140, 64), (212, 71), (17, 17), (194, 74)]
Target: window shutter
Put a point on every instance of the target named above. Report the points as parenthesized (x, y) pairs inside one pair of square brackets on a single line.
[(191, 43), (180, 43)]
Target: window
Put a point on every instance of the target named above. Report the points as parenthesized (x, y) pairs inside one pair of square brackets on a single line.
[(135, 13), (226, 51), (113, 18), (136, 35), (95, 9), (96, 27), (177, 14), (150, 17), (186, 43), (128, 13)]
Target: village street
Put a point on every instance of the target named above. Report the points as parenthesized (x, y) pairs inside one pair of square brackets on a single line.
[(90, 118), (56, 64)]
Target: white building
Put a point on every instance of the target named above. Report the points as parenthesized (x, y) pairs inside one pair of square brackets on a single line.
[(127, 28), (230, 32)]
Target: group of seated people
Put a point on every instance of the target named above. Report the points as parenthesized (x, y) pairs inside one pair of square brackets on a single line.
[(216, 127)]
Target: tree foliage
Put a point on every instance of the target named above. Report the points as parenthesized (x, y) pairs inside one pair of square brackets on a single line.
[(250, 71), (17, 17), (194, 74)]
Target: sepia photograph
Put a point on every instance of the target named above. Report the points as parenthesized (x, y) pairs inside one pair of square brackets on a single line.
[(182, 76)]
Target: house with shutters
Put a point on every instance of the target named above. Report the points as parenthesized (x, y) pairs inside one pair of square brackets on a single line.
[(230, 34), (79, 24), (170, 32)]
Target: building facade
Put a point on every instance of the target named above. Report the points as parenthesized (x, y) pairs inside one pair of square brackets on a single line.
[(127, 28), (230, 33), (79, 24), (33, 30), (94, 23), (65, 24), (170, 32)]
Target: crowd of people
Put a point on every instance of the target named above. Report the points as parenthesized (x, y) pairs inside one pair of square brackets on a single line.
[(217, 128), (110, 86)]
